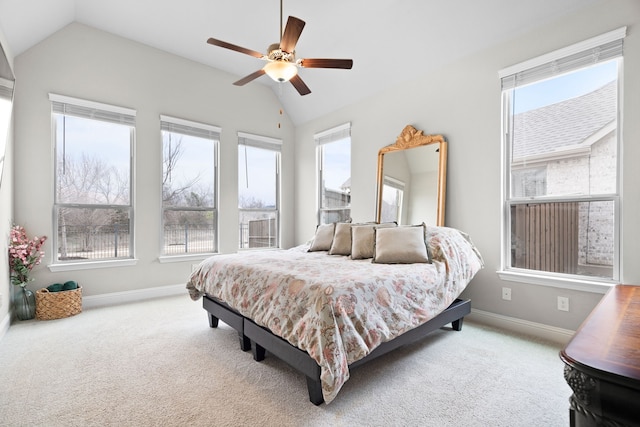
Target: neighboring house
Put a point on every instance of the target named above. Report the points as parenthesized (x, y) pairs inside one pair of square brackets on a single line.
[(575, 159), (338, 198)]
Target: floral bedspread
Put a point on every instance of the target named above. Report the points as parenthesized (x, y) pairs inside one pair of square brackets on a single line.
[(335, 308)]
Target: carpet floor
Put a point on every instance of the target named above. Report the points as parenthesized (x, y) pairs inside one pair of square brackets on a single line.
[(157, 363)]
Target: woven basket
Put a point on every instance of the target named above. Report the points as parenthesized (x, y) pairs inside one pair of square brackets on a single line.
[(56, 305)]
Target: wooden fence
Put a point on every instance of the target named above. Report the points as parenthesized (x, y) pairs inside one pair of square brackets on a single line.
[(259, 233), (544, 237)]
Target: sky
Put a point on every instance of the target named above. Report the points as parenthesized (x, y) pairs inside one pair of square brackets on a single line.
[(337, 162), (109, 141), (195, 164), (260, 181), (569, 86)]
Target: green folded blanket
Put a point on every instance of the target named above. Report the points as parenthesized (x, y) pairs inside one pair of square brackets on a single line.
[(56, 287), (67, 286)]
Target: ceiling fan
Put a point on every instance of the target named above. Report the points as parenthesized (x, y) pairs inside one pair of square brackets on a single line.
[(282, 65)]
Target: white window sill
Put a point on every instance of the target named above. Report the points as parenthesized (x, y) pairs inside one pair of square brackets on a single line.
[(89, 265), (182, 258), (594, 286)]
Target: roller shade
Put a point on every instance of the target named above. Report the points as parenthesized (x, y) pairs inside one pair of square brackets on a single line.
[(334, 134), (92, 110), (187, 127), (590, 52), (259, 141)]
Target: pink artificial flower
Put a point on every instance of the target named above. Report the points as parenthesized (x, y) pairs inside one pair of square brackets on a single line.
[(24, 254)]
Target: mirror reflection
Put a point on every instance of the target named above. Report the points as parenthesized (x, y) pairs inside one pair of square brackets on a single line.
[(411, 179)]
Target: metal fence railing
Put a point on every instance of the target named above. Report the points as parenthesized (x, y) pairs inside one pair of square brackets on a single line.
[(94, 242), (91, 242), (78, 242), (189, 238)]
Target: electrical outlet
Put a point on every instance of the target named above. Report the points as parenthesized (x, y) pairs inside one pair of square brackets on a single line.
[(506, 294), (563, 303)]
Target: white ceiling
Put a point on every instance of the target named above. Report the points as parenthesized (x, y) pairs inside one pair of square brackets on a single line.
[(389, 40)]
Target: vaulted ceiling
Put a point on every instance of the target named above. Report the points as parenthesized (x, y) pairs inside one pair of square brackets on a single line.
[(390, 41)]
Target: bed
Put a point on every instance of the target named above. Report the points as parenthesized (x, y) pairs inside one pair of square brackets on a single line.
[(326, 313)]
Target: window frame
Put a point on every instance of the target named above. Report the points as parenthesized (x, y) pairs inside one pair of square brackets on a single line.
[(6, 113), (274, 145), (99, 112), (203, 131), (321, 139), (534, 67)]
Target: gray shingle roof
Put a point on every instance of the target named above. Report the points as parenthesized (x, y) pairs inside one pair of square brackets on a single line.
[(570, 122)]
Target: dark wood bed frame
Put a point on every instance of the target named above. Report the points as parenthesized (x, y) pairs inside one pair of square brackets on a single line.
[(264, 340)]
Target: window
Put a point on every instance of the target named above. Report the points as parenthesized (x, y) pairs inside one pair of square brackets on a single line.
[(189, 186), (334, 174), (561, 141), (6, 97), (258, 191), (392, 198), (93, 212)]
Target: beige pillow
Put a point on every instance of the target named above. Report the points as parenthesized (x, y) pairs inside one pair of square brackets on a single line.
[(323, 238), (341, 244), (362, 239), (400, 245)]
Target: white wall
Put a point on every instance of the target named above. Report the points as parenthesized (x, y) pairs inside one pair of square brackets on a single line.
[(462, 102), (424, 198), (86, 63)]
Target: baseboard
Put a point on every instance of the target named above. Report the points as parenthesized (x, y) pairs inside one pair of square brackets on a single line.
[(114, 298), (540, 330)]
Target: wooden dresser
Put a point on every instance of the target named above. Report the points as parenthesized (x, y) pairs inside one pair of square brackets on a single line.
[(603, 362)]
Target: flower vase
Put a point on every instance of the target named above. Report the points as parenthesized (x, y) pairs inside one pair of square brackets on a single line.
[(24, 303)]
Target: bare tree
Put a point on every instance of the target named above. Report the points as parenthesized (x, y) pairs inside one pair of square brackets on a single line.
[(172, 152), (86, 181), (250, 202)]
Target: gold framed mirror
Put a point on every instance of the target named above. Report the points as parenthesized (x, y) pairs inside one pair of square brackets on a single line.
[(411, 179)]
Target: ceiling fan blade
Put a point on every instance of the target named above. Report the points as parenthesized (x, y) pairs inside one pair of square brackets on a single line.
[(291, 34), (326, 63), (300, 86), (230, 46), (243, 81)]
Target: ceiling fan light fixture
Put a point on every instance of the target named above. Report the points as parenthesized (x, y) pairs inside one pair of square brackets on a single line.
[(281, 71), (282, 65)]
